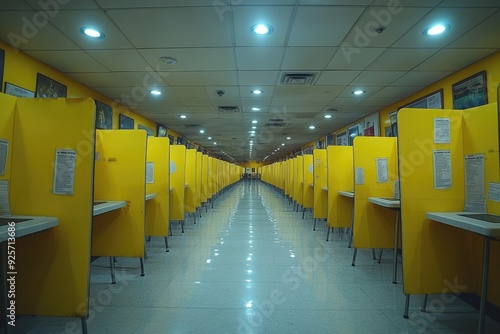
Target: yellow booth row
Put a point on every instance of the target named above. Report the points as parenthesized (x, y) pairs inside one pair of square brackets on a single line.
[(433, 193), (69, 192)]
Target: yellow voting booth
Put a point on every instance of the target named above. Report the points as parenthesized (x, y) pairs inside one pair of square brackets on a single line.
[(340, 179), (443, 153), (308, 183), (177, 183), (49, 171), (120, 175), (198, 176), (299, 181), (320, 207), (190, 183), (204, 181), (158, 183)]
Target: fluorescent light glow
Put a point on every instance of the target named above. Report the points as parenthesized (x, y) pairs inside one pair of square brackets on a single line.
[(262, 29), (183, 116), (282, 144), (155, 92), (436, 29), (327, 116), (288, 138), (254, 122), (358, 92), (254, 127), (255, 109), (202, 131), (92, 32), (209, 138), (215, 143), (257, 91), (312, 127)]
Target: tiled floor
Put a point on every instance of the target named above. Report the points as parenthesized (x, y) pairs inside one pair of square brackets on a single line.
[(252, 265)]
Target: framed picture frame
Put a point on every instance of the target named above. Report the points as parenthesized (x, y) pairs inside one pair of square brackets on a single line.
[(103, 116), (18, 91), (433, 100), (341, 139), (126, 123), (353, 132), (49, 88), (2, 65), (149, 131), (161, 131), (470, 92), (171, 139)]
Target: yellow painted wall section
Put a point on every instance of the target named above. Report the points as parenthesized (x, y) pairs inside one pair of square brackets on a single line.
[(252, 164), (120, 175), (21, 70), (157, 209), (308, 187), (204, 178), (53, 266), (190, 182), (8, 105), (210, 175), (433, 253), (199, 168), (177, 181), (340, 178), (373, 224), (320, 183)]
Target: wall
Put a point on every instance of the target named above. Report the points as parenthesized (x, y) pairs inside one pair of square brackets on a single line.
[(252, 164)]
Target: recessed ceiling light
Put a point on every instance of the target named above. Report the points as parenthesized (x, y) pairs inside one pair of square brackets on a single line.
[(155, 92), (262, 29), (202, 131), (168, 60), (436, 29), (327, 116), (282, 144), (257, 91), (252, 135), (255, 109), (92, 32), (209, 138), (254, 127), (254, 122), (358, 92), (215, 143), (288, 137), (312, 127), (183, 116)]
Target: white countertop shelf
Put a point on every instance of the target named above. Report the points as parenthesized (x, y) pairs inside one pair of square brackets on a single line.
[(349, 194), (392, 203), (324, 188), (101, 207), (150, 196), (30, 225), (456, 219)]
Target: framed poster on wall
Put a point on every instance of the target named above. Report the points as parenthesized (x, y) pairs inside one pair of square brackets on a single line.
[(14, 90), (2, 64), (49, 88), (126, 123), (470, 92), (103, 115), (433, 100), (149, 131), (161, 131)]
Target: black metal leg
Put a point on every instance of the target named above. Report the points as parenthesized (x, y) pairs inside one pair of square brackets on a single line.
[(423, 307), (112, 266), (314, 226), (166, 244), (354, 257), (407, 307), (142, 266), (84, 326), (380, 255)]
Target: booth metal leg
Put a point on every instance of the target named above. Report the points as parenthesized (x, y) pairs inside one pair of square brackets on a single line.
[(112, 266), (84, 326), (423, 307), (354, 257), (373, 254), (166, 244), (314, 225), (380, 255), (407, 307), (303, 212), (328, 232), (142, 266)]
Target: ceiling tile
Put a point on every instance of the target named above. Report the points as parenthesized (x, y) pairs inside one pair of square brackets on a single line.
[(420, 78), (401, 59), (289, 108), (459, 19), (200, 27), (397, 91), (249, 78), (406, 3), (227, 101), (447, 60), (229, 91), (481, 35), (196, 101), (113, 92), (245, 91), (348, 92), (307, 58), (247, 16), (467, 3), (189, 91), (120, 60), (308, 91), (191, 59), (262, 103), (336, 2), (259, 58), (14, 5), (377, 102), (377, 78), (353, 58), (300, 101), (335, 78), (396, 23), (145, 79), (61, 5), (323, 25), (68, 61), (213, 78), (99, 79), (149, 3), (22, 36)]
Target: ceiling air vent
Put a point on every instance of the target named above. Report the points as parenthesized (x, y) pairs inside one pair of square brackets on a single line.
[(276, 122), (298, 78), (192, 125), (228, 109)]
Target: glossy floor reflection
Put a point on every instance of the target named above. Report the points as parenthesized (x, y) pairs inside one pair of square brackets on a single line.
[(252, 265)]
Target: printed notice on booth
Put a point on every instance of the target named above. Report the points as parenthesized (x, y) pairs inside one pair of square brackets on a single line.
[(359, 176), (150, 172), (64, 172), (442, 169), (441, 130), (382, 170), (475, 199), (4, 148)]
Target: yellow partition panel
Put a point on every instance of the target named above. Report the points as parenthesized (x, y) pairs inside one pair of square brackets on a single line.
[(190, 182), (157, 209), (8, 104), (320, 184), (308, 187), (340, 178), (286, 181), (433, 253), (53, 266), (177, 181), (374, 225), (293, 172), (210, 177), (204, 178), (299, 180), (120, 175), (199, 168)]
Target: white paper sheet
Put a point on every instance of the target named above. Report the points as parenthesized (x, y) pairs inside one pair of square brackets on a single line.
[(442, 169), (382, 170), (359, 177), (4, 198), (173, 167), (396, 189), (475, 199), (311, 168), (150, 172), (494, 191), (441, 130), (64, 172), (4, 148)]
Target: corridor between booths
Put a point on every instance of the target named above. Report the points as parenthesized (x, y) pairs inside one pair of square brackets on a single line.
[(253, 265)]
